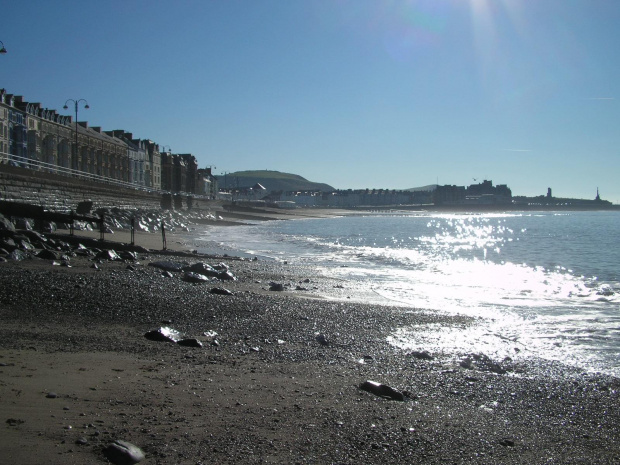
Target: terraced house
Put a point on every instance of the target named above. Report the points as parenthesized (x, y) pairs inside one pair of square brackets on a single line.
[(41, 139)]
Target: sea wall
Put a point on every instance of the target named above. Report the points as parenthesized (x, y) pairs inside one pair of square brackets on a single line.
[(63, 193)]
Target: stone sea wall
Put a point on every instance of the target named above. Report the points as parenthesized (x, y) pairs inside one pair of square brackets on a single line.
[(62, 193)]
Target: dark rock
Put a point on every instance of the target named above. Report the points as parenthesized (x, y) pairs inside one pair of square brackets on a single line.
[(23, 223), (190, 342), (382, 390), (168, 266), (192, 277), (5, 224), (48, 226), (23, 243), (322, 339), (8, 243), (34, 236), (226, 276), (278, 287), (46, 254), (220, 291), (482, 363), (14, 421), (423, 355), (123, 453), (81, 441), (128, 255), (18, 255), (163, 334), (51, 395), (507, 442), (84, 207)]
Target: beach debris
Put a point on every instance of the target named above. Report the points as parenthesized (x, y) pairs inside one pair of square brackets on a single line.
[(163, 334), (123, 453), (220, 291), (273, 286), (190, 342), (422, 355), (192, 277), (382, 390)]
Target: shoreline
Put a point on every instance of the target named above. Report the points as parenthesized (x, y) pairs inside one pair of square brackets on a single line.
[(268, 390)]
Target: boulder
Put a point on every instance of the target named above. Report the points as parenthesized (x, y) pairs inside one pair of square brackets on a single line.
[(46, 254), (163, 334), (191, 277), (382, 390), (123, 453), (109, 255), (168, 265), (226, 276), (201, 268)]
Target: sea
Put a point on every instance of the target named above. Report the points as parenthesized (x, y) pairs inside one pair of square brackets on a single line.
[(538, 284)]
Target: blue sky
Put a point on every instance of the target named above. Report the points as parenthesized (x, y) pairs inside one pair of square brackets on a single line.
[(354, 93)]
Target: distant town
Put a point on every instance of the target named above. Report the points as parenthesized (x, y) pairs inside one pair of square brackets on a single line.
[(36, 138)]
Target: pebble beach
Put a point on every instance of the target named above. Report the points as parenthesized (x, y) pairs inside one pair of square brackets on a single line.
[(275, 376)]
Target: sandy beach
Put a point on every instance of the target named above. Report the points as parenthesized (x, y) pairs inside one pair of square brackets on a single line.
[(277, 379)]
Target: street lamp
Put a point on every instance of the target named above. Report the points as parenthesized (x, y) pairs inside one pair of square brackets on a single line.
[(163, 148), (75, 102), (2, 49)]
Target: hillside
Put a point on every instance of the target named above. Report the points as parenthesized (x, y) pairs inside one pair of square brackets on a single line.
[(271, 180)]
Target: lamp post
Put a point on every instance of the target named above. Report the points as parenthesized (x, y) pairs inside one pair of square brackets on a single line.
[(76, 102), (2, 49)]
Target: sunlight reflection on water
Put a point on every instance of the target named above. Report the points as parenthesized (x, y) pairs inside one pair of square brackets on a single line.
[(546, 283)]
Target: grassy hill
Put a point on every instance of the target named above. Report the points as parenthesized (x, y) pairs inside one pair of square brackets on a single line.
[(271, 180)]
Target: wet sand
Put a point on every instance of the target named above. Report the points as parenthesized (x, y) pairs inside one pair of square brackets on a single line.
[(76, 372)]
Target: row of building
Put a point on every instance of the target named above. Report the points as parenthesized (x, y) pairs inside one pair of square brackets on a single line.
[(481, 194), (42, 139)]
